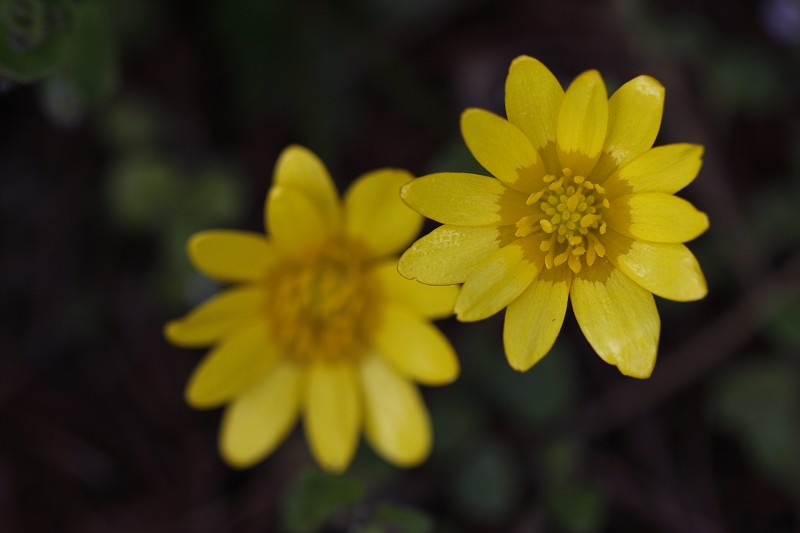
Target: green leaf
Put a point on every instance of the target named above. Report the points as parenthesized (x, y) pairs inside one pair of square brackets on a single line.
[(784, 326), (541, 396), (577, 508), (213, 197), (400, 519), (34, 35), (314, 497), (143, 191), (89, 68), (759, 403), (487, 485)]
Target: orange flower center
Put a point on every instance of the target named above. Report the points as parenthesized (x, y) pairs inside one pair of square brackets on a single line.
[(321, 305), (570, 214)]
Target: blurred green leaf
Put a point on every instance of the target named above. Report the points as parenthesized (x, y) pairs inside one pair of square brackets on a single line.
[(457, 417), (487, 484), (759, 402), (143, 192), (454, 157), (538, 397), (314, 497), (577, 507), (88, 72), (138, 23), (400, 519), (214, 196), (748, 79), (573, 503), (130, 124), (785, 326), (34, 35)]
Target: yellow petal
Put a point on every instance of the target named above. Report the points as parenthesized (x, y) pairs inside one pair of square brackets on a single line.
[(216, 317), (534, 319), (634, 118), (449, 254), (232, 367), (231, 255), (256, 422), (502, 149), (294, 223), (396, 420), (376, 216), (656, 217), (618, 318), (668, 270), (498, 279), (300, 169), (426, 300), (332, 414), (414, 347), (465, 199), (582, 123), (533, 98), (665, 169)]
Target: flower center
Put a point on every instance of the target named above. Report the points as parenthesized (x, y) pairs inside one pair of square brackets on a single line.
[(570, 215), (322, 305)]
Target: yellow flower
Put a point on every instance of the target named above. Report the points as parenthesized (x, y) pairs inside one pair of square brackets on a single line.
[(582, 209), (319, 322)]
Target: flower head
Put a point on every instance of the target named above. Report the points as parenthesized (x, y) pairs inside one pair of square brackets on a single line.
[(581, 210), (319, 322)]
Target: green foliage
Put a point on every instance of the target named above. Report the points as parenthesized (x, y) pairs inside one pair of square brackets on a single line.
[(33, 37), (784, 326), (573, 503), (577, 508), (387, 518), (759, 403), (143, 191), (87, 75), (748, 79), (314, 497), (487, 483), (537, 398)]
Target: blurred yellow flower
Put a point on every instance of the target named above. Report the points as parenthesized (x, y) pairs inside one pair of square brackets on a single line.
[(319, 322), (582, 209)]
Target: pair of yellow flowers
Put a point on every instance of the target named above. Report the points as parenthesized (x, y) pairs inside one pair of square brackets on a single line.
[(322, 319)]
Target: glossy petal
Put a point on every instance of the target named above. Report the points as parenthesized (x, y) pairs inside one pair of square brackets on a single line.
[(414, 347), (582, 123), (666, 169), (533, 99), (502, 149), (465, 199), (332, 414), (231, 255), (396, 420), (232, 367), (375, 214), (498, 279), (256, 422), (293, 221), (427, 300), (634, 118), (449, 254), (534, 319), (216, 317), (656, 217), (299, 169), (618, 318), (667, 270)]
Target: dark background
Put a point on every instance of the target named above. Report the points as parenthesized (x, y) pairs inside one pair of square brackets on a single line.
[(127, 125)]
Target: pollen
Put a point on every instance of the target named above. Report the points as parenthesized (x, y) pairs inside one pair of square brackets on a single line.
[(569, 211), (321, 306)]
